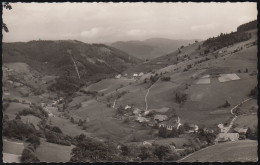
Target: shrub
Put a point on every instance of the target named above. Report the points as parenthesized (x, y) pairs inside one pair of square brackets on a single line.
[(168, 78), (254, 92), (34, 140), (29, 157), (180, 97), (225, 105), (5, 106), (56, 129)]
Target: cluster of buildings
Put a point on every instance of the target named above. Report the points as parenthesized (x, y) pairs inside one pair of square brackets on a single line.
[(51, 107), (136, 76), (159, 120), (225, 135)]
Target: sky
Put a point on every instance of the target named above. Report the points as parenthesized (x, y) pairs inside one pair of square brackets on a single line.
[(110, 22)]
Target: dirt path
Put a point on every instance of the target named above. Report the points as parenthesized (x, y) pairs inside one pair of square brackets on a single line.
[(114, 103), (235, 116), (145, 98)]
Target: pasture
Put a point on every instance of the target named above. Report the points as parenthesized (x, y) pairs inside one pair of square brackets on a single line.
[(49, 152), (237, 151)]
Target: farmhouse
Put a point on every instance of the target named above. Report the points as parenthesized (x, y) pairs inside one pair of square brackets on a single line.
[(137, 111), (223, 129), (147, 143), (160, 118), (141, 74), (118, 76), (127, 107), (141, 119), (146, 113), (222, 137), (172, 123), (193, 128), (135, 75), (241, 131)]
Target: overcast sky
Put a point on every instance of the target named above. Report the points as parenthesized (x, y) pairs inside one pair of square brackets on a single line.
[(109, 22)]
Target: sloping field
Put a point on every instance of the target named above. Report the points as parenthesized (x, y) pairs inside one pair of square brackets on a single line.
[(18, 67), (108, 85), (242, 151), (49, 152), (11, 158), (203, 100), (66, 126), (12, 147), (169, 141), (14, 108), (161, 110), (228, 77), (203, 81), (247, 121)]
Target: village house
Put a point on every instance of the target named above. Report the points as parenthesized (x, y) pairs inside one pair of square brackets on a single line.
[(141, 119), (146, 143), (127, 107), (118, 76), (193, 128), (223, 137), (174, 122), (241, 131), (147, 113), (160, 118), (135, 75), (222, 128), (141, 74), (137, 111), (207, 130)]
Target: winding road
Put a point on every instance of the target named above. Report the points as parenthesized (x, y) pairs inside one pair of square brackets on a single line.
[(235, 116)]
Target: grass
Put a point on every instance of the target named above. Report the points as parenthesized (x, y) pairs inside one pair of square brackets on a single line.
[(14, 108), (49, 152), (19, 67), (250, 121), (11, 158), (240, 151), (177, 141), (12, 147), (66, 126)]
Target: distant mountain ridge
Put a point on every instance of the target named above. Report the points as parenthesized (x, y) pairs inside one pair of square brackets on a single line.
[(150, 48), (55, 57)]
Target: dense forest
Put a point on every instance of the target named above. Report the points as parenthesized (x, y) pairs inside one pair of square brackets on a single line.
[(247, 26), (224, 40)]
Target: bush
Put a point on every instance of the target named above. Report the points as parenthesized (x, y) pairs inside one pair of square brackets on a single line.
[(56, 129), (34, 140), (162, 151), (254, 92), (29, 157), (225, 105), (180, 97), (166, 78), (5, 106)]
